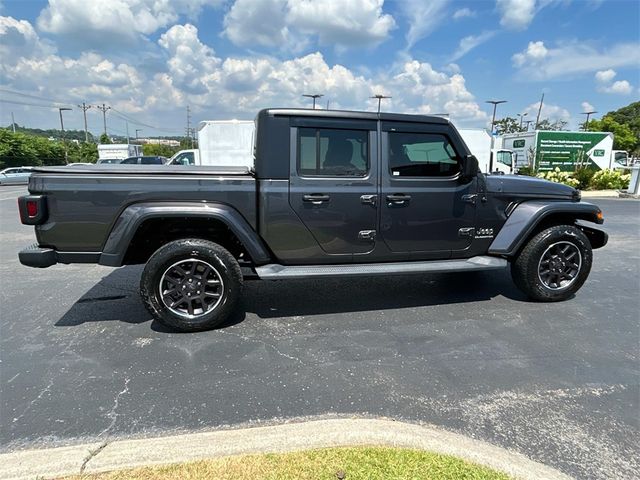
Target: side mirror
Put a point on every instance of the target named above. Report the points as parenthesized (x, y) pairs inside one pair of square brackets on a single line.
[(470, 168)]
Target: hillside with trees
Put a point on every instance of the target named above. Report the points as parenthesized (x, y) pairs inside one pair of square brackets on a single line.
[(624, 123)]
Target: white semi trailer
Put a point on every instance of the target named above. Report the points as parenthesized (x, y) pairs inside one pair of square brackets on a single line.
[(221, 143), (479, 142), (547, 150)]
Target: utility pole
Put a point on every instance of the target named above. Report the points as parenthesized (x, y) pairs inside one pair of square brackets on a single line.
[(586, 122), (127, 125), (137, 130), (84, 108), (314, 96), (379, 97), (189, 126), (104, 109), (13, 123), (64, 141), (539, 110)]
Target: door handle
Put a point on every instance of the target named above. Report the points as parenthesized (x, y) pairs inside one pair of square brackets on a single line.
[(316, 198), (398, 199), (368, 199)]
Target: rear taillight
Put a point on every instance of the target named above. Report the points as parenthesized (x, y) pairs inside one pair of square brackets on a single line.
[(33, 209)]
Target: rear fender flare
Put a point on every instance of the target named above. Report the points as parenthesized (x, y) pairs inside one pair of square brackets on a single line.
[(133, 216), (528, 215)]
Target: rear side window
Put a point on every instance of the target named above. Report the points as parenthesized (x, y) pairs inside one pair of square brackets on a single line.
[(130, 161), (421, 155), (151, 161), (333, 152)]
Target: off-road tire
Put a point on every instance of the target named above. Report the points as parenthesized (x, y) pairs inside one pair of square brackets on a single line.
[(525, 268), (219, 258)]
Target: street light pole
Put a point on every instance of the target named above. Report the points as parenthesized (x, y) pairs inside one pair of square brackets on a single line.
[(495, 104), (379, 97), (586, 122), (314, 96), (64, 141), (522, 118), (137, 130)]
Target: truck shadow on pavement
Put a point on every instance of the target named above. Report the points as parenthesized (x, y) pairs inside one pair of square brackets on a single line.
[(115, 297)]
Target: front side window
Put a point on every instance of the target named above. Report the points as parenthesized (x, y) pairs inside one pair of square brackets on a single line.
[(333, 152), (504, 158), (421, 155), (186, 158)]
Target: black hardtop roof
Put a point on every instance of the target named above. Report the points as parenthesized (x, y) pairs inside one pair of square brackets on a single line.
[(308, 112)]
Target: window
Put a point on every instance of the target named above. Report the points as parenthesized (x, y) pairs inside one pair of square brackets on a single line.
[(151, 160), (504, 157), (421, 155), (186, 158), (130, 161), (333, 152)]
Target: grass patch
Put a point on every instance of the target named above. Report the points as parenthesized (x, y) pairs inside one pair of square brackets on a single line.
[(365, 463)]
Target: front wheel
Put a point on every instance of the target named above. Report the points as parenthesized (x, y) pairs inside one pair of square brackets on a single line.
[(554, 264), (191, 284)]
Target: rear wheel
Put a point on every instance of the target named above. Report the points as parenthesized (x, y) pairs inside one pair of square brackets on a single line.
[(191, 284), (554, 264)]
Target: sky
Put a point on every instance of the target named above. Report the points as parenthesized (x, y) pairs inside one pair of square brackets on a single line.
[(150, 59)]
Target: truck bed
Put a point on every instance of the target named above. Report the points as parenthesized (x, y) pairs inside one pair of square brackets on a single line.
[(84, 202)]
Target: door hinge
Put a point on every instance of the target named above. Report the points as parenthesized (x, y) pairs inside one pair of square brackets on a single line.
[(368, 199), (367, 235), (470, 198)]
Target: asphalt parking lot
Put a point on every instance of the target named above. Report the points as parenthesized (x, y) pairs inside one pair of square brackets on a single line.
[(81, 359)]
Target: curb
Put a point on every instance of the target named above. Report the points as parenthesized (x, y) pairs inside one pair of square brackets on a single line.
[(599, 193), (102, 457)]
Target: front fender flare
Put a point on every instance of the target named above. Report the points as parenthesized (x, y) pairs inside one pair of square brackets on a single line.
[(527, 215), (133, 216)]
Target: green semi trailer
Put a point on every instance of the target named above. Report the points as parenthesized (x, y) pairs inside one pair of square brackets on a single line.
[(548, 150)]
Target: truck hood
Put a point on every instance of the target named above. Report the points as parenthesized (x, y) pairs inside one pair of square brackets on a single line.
[(522, 185)]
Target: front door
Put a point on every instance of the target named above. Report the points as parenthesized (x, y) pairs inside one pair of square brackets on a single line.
[(427, 211), (333, 187)]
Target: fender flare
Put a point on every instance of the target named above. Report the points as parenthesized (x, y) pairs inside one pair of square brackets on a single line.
[(527, 215), (134, 215)]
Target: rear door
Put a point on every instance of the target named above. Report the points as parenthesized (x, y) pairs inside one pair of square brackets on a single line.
[(426, 210), (333, 184)]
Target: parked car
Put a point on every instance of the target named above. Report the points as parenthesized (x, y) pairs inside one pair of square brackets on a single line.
[(108, 161), (331, 194), (15, 176), (146, 160)]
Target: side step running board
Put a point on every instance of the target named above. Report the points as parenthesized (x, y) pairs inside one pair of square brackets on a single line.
[(278, 272)]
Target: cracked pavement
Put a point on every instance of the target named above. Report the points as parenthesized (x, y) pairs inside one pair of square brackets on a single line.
[(81, 360)]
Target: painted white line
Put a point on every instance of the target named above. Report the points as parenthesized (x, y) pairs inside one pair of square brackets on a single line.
[(277, 438)]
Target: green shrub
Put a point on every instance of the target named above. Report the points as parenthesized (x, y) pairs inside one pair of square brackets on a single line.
[(584, 176), (559, 177), (528, 171), (609, 179)]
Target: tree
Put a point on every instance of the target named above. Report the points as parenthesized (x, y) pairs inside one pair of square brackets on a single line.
[(546, 124), (104, 138), (508, 125), (161, 150), (623, 136), (16, 150)]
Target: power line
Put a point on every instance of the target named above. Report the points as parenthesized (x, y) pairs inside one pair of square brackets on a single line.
[(32, 96)]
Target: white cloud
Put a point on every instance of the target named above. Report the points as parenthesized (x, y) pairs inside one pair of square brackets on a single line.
[(549, 111), (605, 76), (423, 18), (469, 43), (233, 87), (463, 13), (518, 14), (291, 22), (587, 107), (100, 22), (535, 52), (621, 87), (538, 62), (19, 38)]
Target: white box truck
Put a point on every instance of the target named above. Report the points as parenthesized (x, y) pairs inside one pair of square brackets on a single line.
[(220, 143), (479, 142), (118, 151), (546, 150)]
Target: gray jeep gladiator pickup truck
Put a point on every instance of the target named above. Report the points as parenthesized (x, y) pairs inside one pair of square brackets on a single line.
[(332, 193)]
